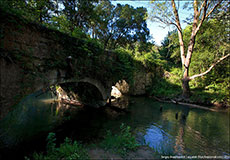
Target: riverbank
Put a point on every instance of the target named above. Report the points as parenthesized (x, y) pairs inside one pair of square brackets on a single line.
[(153, 123), (114, 146), (215, 107), (142, 152)]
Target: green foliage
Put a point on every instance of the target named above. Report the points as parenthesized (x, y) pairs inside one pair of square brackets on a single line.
[(151, 60), (68, 150), (121, 143), (211, 93), (51, 142), (118, 26), (163, 88), (124, 65), (209, 47)]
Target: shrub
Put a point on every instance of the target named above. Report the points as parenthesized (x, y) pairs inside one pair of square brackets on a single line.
[(68, 150), (121, 143)]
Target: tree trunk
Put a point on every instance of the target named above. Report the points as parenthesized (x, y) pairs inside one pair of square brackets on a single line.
[(185, 83), (186, 89)]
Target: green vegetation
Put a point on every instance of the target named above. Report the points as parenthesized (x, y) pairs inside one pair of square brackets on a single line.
[(213, 87), (112, 42), (200, 38), (99, 27), (68, 150), (120, 143)]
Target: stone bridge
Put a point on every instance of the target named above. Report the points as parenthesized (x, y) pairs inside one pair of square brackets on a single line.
[(35, 57)]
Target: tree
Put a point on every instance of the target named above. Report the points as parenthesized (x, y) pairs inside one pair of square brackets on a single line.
[(79, 13), (120, 25), (36, 10), (167, 13)]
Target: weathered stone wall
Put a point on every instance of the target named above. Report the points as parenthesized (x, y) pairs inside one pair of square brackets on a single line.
[(34, 57), (141, 83), (19, 43)]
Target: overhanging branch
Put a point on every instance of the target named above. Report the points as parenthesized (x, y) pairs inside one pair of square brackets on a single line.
[(214, 8), (210, 68)]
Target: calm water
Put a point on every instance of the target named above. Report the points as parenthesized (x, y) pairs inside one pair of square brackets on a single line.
[(192, 132)]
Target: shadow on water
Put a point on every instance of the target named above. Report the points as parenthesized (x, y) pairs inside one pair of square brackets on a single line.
[(168, 128), (30, 122)]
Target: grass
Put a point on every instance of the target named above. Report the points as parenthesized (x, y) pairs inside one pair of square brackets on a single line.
[(68, 150), (206, 94), (164, 88), (120, 143)]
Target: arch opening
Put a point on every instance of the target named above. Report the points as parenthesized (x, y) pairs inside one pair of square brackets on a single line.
[(84, 92), (118, 92)]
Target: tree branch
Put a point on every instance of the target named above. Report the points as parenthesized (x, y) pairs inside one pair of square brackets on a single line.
[(164, 21), (214, 8), (209, 2), (210, 68), (203, 17), (202, 5), (206, 15), (180, 34)]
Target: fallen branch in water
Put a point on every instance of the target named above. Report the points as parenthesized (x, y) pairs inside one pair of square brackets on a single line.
[(188, 104)]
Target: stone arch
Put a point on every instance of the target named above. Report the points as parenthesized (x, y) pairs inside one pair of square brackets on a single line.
[(104, 93), (53, 78), (98, 85)]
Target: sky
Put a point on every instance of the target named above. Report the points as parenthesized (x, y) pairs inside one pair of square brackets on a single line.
[(158, 33)]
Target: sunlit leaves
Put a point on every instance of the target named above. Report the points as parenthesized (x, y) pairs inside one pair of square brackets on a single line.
[(121, 25)]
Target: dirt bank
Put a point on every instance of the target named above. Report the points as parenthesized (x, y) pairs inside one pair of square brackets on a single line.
[(142, 152)]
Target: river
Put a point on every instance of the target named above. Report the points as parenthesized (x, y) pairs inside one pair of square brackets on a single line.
[(168, 128)]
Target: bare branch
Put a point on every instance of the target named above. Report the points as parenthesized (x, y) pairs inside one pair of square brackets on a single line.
[(161, 20), (174, 25), (206, 15), (209, 2), (210, 68), (176, 15), (201, 7), (214, 8), (203, 17), (180, 34)]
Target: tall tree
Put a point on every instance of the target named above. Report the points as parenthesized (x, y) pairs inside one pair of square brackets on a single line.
[(167, 13), (79, 13), (37, 10), (121, 25)]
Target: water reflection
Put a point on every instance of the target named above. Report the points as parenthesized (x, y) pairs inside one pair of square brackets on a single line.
[(33, 115), (157, 138), (194, 132), (168, 128)]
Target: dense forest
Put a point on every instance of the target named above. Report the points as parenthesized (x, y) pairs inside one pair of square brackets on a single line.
[(191, 64)]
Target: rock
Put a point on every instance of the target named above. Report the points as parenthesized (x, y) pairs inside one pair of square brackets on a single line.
[(121, 102), (122, 86), (115, 92), (142, 81)]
